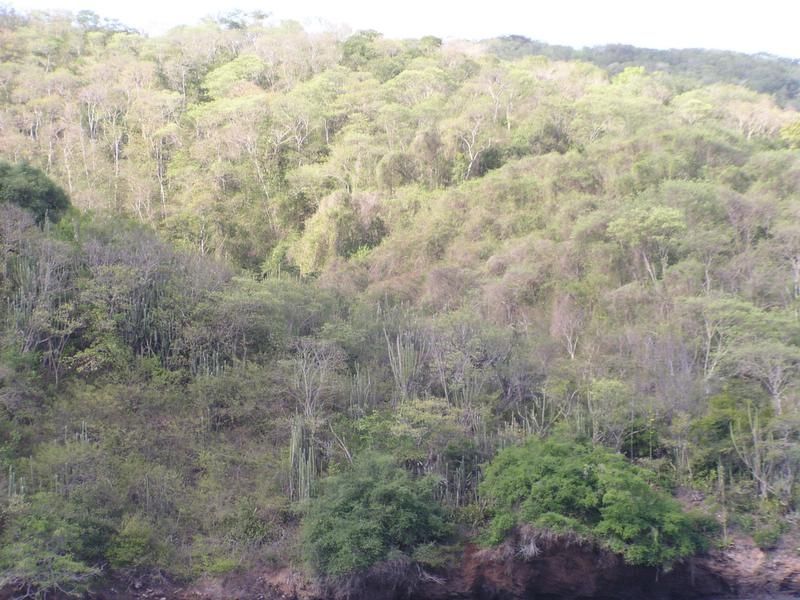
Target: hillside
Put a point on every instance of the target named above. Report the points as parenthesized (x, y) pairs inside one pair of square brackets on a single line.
[(774, 75), (352, 308)]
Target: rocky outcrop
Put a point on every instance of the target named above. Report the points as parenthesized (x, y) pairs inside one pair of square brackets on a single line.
[(751, 572), (527, 567), (568, 569)]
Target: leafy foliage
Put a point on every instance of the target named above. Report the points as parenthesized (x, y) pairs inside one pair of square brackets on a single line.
[(289, 252), (134, 545), (763, 73), (28, 187), (45, 547), (574, 488), (367, 512)]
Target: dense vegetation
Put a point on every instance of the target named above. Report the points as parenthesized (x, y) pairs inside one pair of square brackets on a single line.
[(592, 492), (31, 189), (765, 73), (364, 514), (289, 255)]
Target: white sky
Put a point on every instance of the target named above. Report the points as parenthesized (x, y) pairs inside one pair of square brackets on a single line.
[(745, 25)]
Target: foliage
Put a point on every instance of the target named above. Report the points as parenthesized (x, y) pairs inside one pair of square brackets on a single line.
[(28, 187), (45, 548), (134, 545), (288, 250), (365, 513), (572, 487), (763, 73)]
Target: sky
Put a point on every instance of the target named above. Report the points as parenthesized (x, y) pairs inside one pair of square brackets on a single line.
[(771, 26)]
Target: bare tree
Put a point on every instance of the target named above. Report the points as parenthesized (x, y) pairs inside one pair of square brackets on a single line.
[(313, 378), (567, 322)]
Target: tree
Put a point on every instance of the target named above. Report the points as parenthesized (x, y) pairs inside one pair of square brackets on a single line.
[(39, 274), (471, 136), (359, 49), (772, 363), (314, 370), (223, 80), (791, 134), (715, 323), (612, 412), (574, 489), (30, 188), (367, 512), (43, 548), (567, 322), (652, 232)]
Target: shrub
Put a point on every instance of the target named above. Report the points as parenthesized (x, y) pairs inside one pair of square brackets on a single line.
[(42, 546), (135, 545), (31, 189), (364, 514), (571, 487)]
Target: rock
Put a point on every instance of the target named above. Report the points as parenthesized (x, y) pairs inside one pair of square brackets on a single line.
[(562, 568)]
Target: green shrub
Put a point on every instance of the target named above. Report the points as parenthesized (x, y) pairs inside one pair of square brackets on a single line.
[(211, 556), (766, 524), (134, 545), (437, 556), (571, 487), (29, 188), (42, 546), (366, 513), (222, 566), (768, 536)]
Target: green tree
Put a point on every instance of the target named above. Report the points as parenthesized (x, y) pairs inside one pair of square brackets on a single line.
[(652, 232), (570, 487), (791, 134), (30, 188), (364, 514), (43, 547)]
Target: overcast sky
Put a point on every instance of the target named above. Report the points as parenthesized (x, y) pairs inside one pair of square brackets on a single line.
[(764, 26)]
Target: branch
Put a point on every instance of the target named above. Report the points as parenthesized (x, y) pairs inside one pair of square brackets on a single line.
[(341, 443)]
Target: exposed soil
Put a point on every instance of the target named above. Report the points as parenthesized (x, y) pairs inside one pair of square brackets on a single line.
[(527, 568)]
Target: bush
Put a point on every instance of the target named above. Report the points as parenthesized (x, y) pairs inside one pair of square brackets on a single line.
[(31, 189), (214, 559), (366, 513), (135, 545), (766, 524), (42, 546), (768, 536), (570, 487)]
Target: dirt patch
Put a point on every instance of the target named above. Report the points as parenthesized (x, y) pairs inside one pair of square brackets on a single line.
[(752, 571)]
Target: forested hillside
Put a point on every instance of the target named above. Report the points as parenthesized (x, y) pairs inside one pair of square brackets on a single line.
[(273, 297), (765, 73)]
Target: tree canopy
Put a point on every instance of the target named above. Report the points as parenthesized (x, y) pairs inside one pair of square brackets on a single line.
[(30, 188), (588, 491), (367, 512), (554, 286)]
